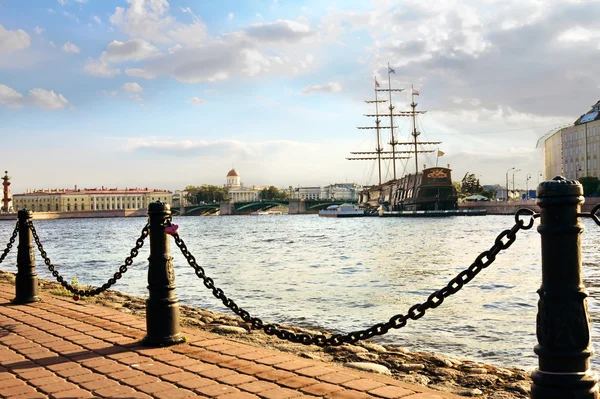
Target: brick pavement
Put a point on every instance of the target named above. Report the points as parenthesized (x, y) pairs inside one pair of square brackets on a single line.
[(64, 349)]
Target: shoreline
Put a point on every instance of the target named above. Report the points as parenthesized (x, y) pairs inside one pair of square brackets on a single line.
[(438, 372)]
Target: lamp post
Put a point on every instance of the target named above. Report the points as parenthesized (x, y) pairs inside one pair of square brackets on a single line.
[(513, 179), (507, 182), (527, 185), (539, 176)]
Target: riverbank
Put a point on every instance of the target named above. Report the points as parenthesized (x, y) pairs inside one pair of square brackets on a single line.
[(443, 373), (116, 213)]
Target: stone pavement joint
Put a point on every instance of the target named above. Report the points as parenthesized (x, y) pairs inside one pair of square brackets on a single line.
[(58, 348)]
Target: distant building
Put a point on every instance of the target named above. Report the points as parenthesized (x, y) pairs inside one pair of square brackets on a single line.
[(341, 192), (179, 198), (310, 193), (236, 190), (89, 199), (574, 151)]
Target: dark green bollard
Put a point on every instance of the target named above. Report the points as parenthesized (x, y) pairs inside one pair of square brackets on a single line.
[(26, 283), (162, 308), (563, 323)]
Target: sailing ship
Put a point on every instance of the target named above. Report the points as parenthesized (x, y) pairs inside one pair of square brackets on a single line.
[(428, 189)]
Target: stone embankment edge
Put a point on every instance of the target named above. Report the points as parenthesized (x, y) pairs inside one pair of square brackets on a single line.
[(442, 373)]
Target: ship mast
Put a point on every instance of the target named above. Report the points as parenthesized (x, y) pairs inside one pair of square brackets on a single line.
[(377, 121), (415, 134)]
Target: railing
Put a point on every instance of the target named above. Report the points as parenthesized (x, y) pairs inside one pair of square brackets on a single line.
[(563, 324)]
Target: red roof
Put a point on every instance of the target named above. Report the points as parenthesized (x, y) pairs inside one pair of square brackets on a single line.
[(233, 172), (95, 191)]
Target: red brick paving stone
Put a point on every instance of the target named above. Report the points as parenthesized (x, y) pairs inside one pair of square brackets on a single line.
[(258, 354), (205, 343), (181, 362), (391, 392), (321, 389), (177, 393), (258, 386), (215, 390), (98, 384), (183, 375), (272, 360), (74, 393), (78, 379), (424, 395), (118, 391), (236, 379), (111, 369), (216, 373), (62, 366), (123, 375), (140, 380), (350, 395), (155, 387), (53, 379), (275, 375), (314, 371), (30, 395), (364, 384), (199, 366), (297, 382), (73, 372), (210, 357), (280, 393), (58, 387), (255, 369), (237, 364), (196, 382), (9, 383), (238, 395), (338, 377), (19, 390)]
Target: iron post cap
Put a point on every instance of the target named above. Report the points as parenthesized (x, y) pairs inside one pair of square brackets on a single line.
[(159, 206), (24, 214), (559, 187)]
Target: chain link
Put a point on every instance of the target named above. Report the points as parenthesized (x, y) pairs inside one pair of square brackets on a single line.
[(504, 240), (10, 243), (139, 243), (592, 215)]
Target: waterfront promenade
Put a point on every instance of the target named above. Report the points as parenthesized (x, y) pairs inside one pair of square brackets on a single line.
[(59, 348)]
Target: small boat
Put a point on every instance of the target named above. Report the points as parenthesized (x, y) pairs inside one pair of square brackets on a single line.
[(342, 211)]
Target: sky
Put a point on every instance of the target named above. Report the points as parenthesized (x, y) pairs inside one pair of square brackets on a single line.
[(165, 94)]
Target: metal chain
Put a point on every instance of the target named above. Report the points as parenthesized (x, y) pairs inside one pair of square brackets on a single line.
[(139, 243), (502, 242), (13, 237), (592, 215)]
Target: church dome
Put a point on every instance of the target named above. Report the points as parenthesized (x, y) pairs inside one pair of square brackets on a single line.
[(233, 172)]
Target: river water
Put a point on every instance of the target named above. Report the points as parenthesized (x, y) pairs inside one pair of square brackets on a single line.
[(339, 274)]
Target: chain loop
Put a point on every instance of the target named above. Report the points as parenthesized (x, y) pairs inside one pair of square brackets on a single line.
[(10, 243), (139, 243), (415, 312)]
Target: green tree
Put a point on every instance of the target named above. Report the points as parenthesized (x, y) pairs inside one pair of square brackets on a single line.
[(469, 185), (590, 185), (272, 193), (205, 193)]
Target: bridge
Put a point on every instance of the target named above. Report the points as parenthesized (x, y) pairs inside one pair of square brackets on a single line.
[(295, 207)]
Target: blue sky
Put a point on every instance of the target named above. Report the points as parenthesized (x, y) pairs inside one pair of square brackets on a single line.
[(170, 93)]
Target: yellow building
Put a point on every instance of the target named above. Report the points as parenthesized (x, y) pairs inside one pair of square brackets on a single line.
[(574, 151), (94, 199)]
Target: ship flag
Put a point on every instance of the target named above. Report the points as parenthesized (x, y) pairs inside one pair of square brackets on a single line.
[(415, 91), (376, 83), (440, 153), (390, 70)]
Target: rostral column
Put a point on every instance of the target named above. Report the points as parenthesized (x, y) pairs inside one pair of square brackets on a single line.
[(6, 198)]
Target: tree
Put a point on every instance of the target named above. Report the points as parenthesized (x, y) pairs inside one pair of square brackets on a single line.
[(272, 193), (205, 193), (590, 186), (470, 185)]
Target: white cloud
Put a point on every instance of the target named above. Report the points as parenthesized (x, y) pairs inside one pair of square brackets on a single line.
[(80, 1), (39, 30), (139, 73), (69, 47), (51, 11), (12, 40), (47, 99), (132, 87), (51, 43), (331, 87), (281, 30), (579, 34), (10, 97), (196, 100), (97, 19), (132, 50), (230, 16), (100, 68), (62, 2)]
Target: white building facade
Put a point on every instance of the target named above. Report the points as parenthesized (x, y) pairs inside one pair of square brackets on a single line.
[(236, 190)]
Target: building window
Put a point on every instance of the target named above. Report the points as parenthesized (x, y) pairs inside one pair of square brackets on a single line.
[(75, 207), (56, 207), (68, 207)]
